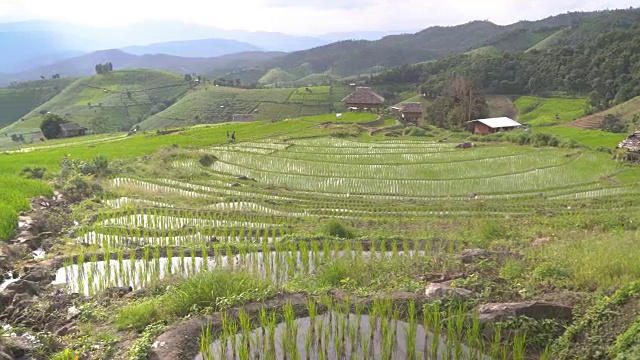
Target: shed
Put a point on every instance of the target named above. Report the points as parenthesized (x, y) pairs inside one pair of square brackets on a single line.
[(243, 117), (492, 125), (410, 112), (71, 129), (363, 99)]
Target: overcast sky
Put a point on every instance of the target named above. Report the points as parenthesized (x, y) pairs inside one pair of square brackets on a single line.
[(303, 17)]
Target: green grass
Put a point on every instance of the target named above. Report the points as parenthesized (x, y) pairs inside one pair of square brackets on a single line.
[(110, 102), (215, 290), (14, 198), (538, 111), (590, 138)]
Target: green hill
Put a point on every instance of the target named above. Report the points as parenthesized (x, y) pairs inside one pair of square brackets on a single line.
[(109, 102), (628, 111), (208, 104), (19, 99), (277, 76)]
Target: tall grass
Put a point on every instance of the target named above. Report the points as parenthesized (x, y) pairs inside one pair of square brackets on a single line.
[(209, 291)]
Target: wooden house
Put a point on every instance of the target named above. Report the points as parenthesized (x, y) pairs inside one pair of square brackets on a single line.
[(493, 125), (363, 99), (243, 118), (71, 129), (409, 112)]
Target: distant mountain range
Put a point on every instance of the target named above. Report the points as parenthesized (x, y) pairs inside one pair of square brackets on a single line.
[(48, 49), (30, 44)]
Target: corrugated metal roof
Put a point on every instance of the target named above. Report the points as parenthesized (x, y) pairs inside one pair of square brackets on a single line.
[(500, 122)]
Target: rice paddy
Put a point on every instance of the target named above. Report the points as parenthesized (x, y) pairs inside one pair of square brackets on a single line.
[(264, 208)]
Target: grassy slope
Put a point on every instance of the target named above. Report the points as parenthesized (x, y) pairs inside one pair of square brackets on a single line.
[(538, 111), (210, 104), (626, 111), (18, 100), (549, 41), (112, 107)]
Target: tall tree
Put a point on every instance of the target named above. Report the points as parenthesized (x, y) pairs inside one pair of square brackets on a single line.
[(50, 126)]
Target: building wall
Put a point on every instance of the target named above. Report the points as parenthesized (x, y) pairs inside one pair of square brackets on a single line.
[(482, 129), (414, 117)]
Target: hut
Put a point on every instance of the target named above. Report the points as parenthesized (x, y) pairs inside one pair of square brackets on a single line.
[(632, 145), (409, 112), (71, 129), (243, 117), (363, 99), (493, 125)]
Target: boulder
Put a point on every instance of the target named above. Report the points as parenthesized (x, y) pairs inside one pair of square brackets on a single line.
[(72, 313), (23, 287), (438, 291), (466, 145), (6, 298), (539, 310), (39, 275)]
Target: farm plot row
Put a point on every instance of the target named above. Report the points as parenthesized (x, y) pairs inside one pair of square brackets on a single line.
[(585, 169), (411, 171), (279, 263)]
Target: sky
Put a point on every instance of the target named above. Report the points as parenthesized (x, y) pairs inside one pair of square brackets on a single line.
[(300, 17)]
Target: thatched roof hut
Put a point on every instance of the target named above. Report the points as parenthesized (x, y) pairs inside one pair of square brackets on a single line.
[(363, 98), (631, 143)]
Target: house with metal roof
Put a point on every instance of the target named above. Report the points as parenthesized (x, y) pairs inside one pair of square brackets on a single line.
[(492, 125)]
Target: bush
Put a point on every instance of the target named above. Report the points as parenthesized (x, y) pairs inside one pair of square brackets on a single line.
[(414, 131), (33, 173), (337, 229)]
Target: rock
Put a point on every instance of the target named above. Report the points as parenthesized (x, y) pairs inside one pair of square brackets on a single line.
[(466, 145), (6, 298), (437, 291), (39, 275), (118, 291), (539, 310), (21, 300), (67, 329), (72, 313), (24, 287)]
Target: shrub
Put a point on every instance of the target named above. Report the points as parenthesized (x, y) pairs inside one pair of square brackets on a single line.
[(414, 131), (33, 173), (337, 229)]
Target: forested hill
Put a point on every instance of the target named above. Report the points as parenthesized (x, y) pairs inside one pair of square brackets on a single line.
[(357, 57), (607, 68)]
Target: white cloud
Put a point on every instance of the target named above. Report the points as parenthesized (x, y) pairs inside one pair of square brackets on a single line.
[(301, 16)]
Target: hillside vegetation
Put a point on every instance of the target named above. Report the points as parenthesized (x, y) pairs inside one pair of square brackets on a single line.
[(18, 100), (605, 68), (208, 104), (109, 102), (628, 112), (539, 111)]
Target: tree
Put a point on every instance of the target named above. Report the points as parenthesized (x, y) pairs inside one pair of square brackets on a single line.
[(50, 126), (462, 101), (614, 124)]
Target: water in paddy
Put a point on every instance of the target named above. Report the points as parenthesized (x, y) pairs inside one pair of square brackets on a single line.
[(91, 277), (338, 336)]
